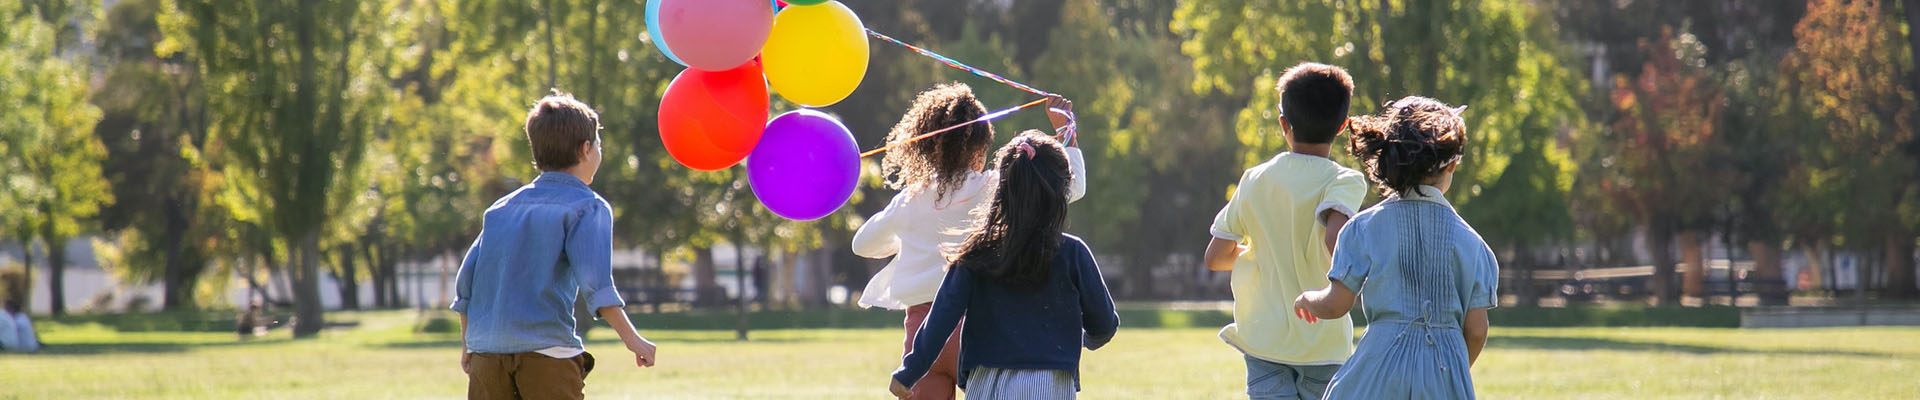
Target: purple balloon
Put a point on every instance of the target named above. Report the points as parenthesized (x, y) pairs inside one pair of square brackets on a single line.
[(806, 165)]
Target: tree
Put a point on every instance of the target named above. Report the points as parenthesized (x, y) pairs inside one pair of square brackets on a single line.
[(153, 126), (1659, 157), (1851, 68), (1498, 56), (291, 85), (54, 186)]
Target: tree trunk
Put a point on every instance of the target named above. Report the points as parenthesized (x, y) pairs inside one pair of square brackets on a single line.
[(1660, 243), (1768, 272), (1525, 294), (308, 312), (390, 262), (740, 282), (419, 287), (177, 281), (1899, 266), (374, 275), (349, 279), (445, 265), (57, 274), (704, 281), (26, 260), (1816, 274), (1693, 263)]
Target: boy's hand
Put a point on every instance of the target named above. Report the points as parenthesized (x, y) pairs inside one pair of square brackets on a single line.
[(466, 362), (1300, 309), (898, 389), (642, 352)]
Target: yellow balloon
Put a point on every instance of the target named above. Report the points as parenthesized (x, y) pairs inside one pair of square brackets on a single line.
[(816, 55)]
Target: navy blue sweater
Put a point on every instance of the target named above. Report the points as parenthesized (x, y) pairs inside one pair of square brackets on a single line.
[(1018, 328)]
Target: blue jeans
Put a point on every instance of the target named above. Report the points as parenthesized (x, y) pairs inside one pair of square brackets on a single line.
[(1268, 380)]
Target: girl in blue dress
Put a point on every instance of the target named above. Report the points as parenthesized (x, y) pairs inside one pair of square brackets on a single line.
[(1427, 278)]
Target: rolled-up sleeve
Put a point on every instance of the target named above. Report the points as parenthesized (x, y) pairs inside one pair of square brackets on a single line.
[(463, 280), (589, 249), (1343, 196)]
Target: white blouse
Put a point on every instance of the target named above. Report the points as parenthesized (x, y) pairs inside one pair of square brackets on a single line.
[(914, 229)]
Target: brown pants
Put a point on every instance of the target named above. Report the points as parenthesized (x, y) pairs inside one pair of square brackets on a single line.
[(527, 376), (940, 380)]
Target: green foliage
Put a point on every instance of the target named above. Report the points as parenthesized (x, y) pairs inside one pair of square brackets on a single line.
[(1499, 57), (53, 186), (294, 90)]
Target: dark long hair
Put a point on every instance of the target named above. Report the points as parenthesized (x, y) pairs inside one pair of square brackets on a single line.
[(938, 163), (1412, 138), (1017, 233)]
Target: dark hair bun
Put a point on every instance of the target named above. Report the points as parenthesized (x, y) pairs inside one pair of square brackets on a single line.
[(1412, 138)]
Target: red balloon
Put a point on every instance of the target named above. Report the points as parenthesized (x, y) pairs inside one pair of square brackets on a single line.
[(710, 120)]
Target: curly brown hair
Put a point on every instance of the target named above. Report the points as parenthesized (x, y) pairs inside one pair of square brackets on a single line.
[(1412, 138), (940, 162)]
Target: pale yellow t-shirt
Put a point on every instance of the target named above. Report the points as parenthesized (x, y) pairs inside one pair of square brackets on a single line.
[(1277, 211)]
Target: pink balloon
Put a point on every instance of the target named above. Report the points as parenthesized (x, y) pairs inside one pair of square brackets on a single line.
[(715, 35)]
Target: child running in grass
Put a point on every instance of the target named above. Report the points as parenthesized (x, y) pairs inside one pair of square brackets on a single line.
[(539, 248), (1032, 294), (941, 181), (1427, 278), (1288, 210)]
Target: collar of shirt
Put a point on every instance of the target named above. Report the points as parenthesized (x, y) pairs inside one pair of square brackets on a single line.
[(559, 177), (1421, 193)]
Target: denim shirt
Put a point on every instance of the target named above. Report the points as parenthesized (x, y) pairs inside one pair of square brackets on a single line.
[(539, 247)]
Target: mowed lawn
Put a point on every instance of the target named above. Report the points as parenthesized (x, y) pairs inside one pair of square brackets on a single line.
[(381, 358)]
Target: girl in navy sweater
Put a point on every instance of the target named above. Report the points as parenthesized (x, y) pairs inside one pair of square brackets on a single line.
[(1031, 294)]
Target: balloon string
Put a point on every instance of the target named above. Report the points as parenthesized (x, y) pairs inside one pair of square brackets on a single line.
[(961, 66), (956, 64), (983, 118)]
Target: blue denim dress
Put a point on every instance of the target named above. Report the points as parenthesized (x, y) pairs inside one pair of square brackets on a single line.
[(1418, 268)]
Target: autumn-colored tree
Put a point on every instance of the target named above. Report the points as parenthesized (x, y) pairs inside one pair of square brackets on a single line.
[(1852, 68), (1660, 156)]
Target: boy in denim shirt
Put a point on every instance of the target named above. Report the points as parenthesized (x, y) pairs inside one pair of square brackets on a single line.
[(539, 248)]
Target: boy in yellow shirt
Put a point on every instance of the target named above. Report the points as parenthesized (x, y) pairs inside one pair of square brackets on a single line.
[(1277, 233)]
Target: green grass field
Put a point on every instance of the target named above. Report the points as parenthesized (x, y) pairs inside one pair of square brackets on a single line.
[(382, 358)]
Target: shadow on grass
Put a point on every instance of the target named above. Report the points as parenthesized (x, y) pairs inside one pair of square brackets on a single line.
[(595, 344), (1587, 343), (144, 347)]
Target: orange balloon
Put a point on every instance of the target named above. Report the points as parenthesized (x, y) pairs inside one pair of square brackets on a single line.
[(710, 120)]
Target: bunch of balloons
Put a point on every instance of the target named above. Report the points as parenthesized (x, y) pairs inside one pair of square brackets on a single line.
[(802, 165)]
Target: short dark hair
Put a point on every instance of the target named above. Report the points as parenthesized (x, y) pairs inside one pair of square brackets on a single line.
[(556, 127), (1314, 98)]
